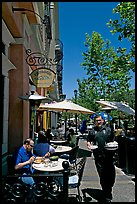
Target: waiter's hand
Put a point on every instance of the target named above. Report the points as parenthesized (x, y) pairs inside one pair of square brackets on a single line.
[(89, 145)]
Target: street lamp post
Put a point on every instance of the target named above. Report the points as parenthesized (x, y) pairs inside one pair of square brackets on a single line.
[(62, 97), (75, 94)]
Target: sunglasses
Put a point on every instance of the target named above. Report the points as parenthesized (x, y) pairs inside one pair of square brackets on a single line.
[(31, 145), (98, 121)]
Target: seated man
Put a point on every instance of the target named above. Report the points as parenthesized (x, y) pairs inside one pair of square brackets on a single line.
[(23, 159)]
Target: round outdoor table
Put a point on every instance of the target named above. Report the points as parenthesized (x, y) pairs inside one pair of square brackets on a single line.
[(50, 167), (56, 142), (62, 149)]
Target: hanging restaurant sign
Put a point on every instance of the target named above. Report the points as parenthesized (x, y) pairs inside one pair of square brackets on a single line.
[(42, 77)]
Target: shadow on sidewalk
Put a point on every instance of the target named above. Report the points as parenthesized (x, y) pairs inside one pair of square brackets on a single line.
[(96, 194), (84, 153)]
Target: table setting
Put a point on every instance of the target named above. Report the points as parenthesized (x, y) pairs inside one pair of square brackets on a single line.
[(111, 146), (51, 164)]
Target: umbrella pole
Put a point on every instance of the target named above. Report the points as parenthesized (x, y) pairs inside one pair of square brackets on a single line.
[(33, 132), (108, 120), (65, 126), (76, 123), (33, 120)]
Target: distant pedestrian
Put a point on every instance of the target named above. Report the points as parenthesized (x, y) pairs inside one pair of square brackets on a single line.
[(100, 134)]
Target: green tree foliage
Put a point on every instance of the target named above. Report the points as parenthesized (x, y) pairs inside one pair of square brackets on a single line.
[(107, 71), (125, 26)]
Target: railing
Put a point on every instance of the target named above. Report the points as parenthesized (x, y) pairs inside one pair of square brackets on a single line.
[(47, 187)]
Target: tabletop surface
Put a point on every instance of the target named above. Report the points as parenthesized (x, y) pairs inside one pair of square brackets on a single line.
[(58, 141), (50, 167), (61, 148)]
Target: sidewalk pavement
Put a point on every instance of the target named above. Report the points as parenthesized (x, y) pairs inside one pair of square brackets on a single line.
[(124, 187)]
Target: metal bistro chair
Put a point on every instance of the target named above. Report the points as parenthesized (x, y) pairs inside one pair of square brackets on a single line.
[(10, 164), (75, 180), (71, 156), (77, 140)]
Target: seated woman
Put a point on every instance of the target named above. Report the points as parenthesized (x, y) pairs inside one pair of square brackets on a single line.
[(71, 138), (43, 148)]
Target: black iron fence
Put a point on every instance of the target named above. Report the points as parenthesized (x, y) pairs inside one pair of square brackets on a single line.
[(48, 187)]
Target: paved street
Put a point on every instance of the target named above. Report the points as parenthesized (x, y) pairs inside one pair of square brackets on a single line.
[(123, 190)]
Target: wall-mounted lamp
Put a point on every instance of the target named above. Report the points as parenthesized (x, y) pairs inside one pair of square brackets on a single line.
[(24, 9)]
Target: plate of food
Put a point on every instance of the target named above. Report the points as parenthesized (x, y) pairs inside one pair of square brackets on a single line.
[(111, 145), (54, 158), (37, 161), (94, 147)]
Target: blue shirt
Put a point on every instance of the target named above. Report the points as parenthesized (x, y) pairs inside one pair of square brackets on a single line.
[(22, 156)]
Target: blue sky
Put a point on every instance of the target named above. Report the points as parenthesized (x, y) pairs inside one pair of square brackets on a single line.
[(76, 19)]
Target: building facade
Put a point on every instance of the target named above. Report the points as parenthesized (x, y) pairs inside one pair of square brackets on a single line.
[(27, 27)]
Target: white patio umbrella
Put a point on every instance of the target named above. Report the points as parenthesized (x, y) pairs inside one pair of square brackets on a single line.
[(65, 106), (107, 108), (118, 106), (106, 104)]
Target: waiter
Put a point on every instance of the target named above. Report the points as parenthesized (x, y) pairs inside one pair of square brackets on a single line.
[(99, 135)]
